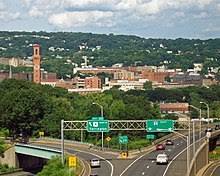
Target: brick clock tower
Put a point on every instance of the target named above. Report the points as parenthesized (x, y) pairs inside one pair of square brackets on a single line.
[(36, 62)]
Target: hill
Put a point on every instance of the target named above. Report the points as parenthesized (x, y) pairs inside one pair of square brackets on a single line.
[(106, 50)]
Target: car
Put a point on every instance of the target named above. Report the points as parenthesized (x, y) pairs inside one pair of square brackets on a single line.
[(208, 130), (95, 162), (93, 174), (162, 158), (217, 127), (160, 147), (169, 142)]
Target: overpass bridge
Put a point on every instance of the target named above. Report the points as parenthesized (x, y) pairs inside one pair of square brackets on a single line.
[(33, 158)]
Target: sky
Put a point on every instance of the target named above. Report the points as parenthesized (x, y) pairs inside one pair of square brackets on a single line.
[(145, 18)]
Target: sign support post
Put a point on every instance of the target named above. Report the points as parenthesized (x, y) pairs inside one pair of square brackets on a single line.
[(62, 142)]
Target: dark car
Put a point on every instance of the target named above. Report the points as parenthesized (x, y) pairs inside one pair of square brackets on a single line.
[(217, 127), (160, 147), (169, 142)]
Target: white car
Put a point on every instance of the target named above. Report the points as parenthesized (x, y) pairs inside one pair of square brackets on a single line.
[(162, 159), (95, 162)]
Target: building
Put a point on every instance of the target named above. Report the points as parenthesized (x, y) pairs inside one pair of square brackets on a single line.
[(97, 70), (85, 91), (36, 62), (174, 107), (188, 78), (22, 76), (93, 82), (126, 85), (124, 75), (154, 76)]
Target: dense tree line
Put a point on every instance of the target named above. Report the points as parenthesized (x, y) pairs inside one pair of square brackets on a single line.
[(125, 49), (28, 108)]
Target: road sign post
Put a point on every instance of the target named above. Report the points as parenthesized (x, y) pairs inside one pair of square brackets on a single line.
[(72, 161), (159, 125), (150, 136), (108, 139), (123, 139), (98, 125)]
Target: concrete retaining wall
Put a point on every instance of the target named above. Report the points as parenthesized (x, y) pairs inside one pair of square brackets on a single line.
[(200, 159), (9, 158)]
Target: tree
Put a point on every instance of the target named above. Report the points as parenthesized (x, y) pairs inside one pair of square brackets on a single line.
[(148, 85), (21, 110), (58, 109)]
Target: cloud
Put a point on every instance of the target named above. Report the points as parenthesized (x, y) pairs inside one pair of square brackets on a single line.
[(201, 15), (5, 14), (26, 2), (35, 12), (80, 19)]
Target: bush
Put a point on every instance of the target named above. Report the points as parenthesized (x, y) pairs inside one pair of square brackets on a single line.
[(55, 167)]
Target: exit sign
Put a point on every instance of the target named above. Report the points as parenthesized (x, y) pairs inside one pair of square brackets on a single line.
[(159, 125)]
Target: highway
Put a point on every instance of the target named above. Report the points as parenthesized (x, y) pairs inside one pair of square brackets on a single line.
[(106, 168), (145, 164)]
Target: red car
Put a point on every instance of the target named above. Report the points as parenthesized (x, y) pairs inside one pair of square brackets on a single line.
[(160, 147)]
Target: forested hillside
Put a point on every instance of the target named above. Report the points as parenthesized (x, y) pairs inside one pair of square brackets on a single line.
[(106, 50)]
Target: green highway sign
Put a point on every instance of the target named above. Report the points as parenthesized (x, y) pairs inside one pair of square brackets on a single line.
[(159, 125), (123, 139), (150, 136), (97, 118), (98, 125)]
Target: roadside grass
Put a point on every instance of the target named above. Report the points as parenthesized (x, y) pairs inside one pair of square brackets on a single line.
[(4, 168), (215, 154)]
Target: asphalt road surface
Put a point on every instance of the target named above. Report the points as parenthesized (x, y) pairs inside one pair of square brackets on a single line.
[(146, 165)]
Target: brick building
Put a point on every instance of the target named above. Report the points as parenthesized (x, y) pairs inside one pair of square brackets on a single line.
[(154, 76), (174, 107), (93, 82), (124, 75)]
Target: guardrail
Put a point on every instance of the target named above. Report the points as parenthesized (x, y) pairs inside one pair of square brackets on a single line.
[(200, 159)]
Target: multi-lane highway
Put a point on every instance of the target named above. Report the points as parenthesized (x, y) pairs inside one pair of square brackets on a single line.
[(146, 165), (143, 164)]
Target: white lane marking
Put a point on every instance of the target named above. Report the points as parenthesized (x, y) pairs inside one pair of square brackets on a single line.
[(143, 173), (148, 167), (132, 163), (112, 167), (152, 161), (172, 161), (175, 158), (177, 144)]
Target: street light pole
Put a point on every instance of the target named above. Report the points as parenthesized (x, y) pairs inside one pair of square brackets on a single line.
[(187, 142), (207, 106), (200, 128), (101, 108)]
